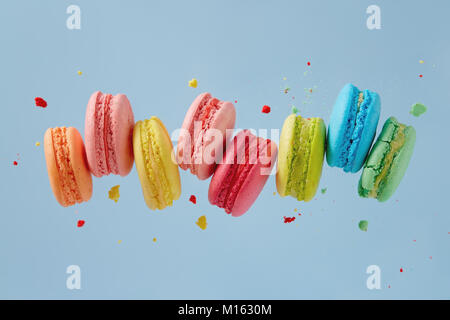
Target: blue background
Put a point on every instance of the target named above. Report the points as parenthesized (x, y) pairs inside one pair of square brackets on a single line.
[(238, 50)]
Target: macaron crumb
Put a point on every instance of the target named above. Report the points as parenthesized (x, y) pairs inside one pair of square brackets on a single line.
[(289, 219), (79, 72), (421, 61), (114, 194), (323, 190), (294, 109), (154, 239), (15, 163), (37, 144), (418, 109), (193, 83), (265, 109), (119, 242), (286, 90), (201, 222), (40, 102), (193, 199), (80, 223), (363, 225)]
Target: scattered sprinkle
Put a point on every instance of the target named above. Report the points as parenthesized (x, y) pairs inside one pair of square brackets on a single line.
[(323, 190), (401, 269), (421, 61), (80, 223), (309, 64), (193, 83), (15, 163), (363, 225), (40, 102), (154, 239), (265, 109), (420, 75), (294, 109), (201, 222), (37, 144), (79, 72), (193, 199), (289, 219), (114, 194), (417, 109)]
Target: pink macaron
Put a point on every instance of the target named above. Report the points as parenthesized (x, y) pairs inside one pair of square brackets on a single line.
[(204, 135), (239, 179), (108, 134)]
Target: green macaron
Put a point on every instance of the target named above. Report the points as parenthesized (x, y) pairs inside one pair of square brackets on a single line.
[(387, 161)]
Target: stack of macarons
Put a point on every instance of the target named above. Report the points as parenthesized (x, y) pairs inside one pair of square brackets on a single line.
[(239, 165)]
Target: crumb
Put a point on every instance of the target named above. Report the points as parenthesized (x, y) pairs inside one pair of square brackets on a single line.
[(37, 144), (154, 239), (79, 72), (265, 109), (80, 223), (15, 163), (418, 109), (286, 90), (420, 75), (274, 193), (114, 194), (119, 242), (421, 61), (193, 83), (363, 225), (235, 101), (294, 109), (323, 190), (309, 64), (201, 222), (295, 209), (193, 199), (401, 269), (40, 102), (284, 78), (289, 219)]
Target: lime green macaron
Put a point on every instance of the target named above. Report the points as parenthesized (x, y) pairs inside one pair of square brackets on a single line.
[(388, 160), (300, 157)]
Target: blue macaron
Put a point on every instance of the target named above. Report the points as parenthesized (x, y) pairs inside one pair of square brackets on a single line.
[(352, 128)]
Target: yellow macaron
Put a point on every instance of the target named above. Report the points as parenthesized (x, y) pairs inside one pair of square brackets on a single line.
[(155, 163)]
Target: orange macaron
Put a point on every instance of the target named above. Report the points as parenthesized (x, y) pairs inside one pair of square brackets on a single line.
[(68, 172)]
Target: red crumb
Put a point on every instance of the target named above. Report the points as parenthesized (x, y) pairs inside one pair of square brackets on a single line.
[(414, 240), (299, 214), (420, 75), (309, 63), (40, 102), (266, 109), (431, 257), (15, 163), (288, 219), (401, 269), (80, 223), (389, 286), (235, 101), (193, 199)]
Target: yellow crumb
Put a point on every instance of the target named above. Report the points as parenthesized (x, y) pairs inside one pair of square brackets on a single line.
[(421, 61), (37, 144), (193, 83), (119, 242), (114, 194), (295, 210), (201, 222), (79, 72), (284, 78), (274, 193), (154, 239)]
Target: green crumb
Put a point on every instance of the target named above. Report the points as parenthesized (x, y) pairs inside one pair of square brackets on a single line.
[(294, 109), (323, 190), (286, 90), (363, 224), (418, 109)]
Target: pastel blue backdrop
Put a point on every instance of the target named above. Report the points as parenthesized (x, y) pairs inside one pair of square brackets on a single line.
[(238, 50)]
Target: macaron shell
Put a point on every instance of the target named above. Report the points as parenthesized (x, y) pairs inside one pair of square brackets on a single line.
[(286, 143), (254, 183), (212, 148), (316, 159), (93, 151), (122, 123), (52, 169)]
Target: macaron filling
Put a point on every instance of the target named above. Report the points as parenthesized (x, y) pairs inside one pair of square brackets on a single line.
[(204, 114), (69, 187), (355, 126), (299, 158), (395, 146), (153, 166), (104, 136)]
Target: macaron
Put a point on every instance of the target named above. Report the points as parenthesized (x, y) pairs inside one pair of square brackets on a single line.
[(241, 175), (388, 160), (203, 134), (352, 128), (108, 134), (156, 164), (300, 159), (67, 168)]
